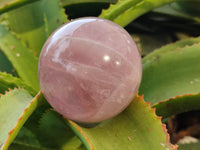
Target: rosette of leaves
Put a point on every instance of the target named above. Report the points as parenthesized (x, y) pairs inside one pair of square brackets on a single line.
[(170, 83)]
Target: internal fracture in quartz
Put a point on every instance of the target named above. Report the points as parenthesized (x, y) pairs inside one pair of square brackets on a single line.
[(89, 69)]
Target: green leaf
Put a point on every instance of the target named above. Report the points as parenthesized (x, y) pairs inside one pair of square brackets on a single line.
[(26, 140), (138, 10), (15, 107), (170, 47), (171, 78), (6, 5), (120, 7), (53, 128), (7, 82), (177, 105), (27, 137), (47, 127), (22, 60), (171, 71), (123, 13), (135, 128), (37, 15)]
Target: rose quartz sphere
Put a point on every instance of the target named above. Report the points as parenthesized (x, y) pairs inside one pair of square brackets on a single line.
[(90, 69)]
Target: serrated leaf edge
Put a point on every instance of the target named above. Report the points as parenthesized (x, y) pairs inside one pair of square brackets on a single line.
[(21, 120), (163, 50), (179, 98), (89, 144), (19, 83), (148, 104)]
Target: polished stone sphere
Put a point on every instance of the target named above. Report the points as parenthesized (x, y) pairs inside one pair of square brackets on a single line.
[(90, 69)]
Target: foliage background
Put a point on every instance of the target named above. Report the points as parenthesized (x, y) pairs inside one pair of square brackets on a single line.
[(166, 33)]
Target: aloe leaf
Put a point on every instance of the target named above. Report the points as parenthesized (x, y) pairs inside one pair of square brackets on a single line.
[(139, 9), (172, 71), (26, 140), (123, 14), (171, 79), (177, 105), (15, 108), (6, 5), (53, 128), (27, 137), (37, 14), (170, 47), (135, 128), (48, 126), (22, 59), (117, 9), (7, 81)]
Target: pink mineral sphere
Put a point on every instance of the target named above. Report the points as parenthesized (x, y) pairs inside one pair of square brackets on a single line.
[(90, 69)]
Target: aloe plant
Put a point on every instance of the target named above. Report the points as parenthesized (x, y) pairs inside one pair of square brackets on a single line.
[(170, 83)]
